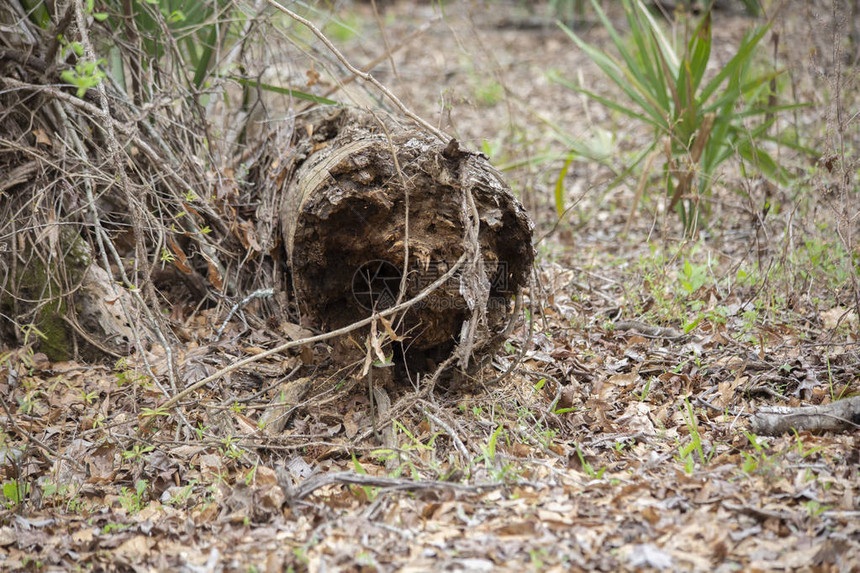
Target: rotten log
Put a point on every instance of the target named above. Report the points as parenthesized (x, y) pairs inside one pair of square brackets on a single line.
[(839, 415), (374, 211)]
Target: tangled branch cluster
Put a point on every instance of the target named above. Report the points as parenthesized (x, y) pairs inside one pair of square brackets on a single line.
[(116, 178)]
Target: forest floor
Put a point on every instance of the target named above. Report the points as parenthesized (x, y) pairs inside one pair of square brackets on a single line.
[(621, 441)]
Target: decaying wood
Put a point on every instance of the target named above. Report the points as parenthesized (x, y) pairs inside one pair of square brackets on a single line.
[(838, 415), (373, 211), (312, 484), (649, 330), (275, 418)]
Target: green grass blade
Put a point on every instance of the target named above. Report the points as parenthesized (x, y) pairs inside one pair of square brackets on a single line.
[(574, 145), (773, 109), (624, 109), (690, 116), (202, 68), (721, 144), (37, 11), (762, 160), (283, 91), (793, 145), (582, 150), (672, 85), (662, 41), (192, 58), (734, 65), (735, 90), (633, 73), (621, 77), (559, 187), (647, 66), (620, 45), (700, 50), (538, 159)]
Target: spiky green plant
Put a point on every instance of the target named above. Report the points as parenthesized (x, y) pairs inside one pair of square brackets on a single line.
[(697, 124)]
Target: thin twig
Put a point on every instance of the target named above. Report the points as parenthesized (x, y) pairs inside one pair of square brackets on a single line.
[(529, 337), (262, 293), (348, 79), (458, 443), (360, 74), (312, 484), (408, 401), (310, 340), (10, 417), (114, 148)]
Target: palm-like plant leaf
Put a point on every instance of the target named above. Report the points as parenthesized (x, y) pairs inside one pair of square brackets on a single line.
[(704, 120)]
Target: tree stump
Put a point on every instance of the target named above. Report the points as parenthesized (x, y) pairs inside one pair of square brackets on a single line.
[(374, 211)]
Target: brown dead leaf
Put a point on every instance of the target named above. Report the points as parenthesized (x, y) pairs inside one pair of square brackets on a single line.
[(730, 362), (271, 498), (313, 76), (50, 231), (726, 390), (151, 512), (389, 330), (40, 362), (274, 418), (636, 419), (294, 331), (517, 529), (553, 517), (210, 466), (624, 380), (650, 515), (644, 555), (244, 424), (248, 236), (136, 548), (180, 259), (307, 354), (375, 343), (263, 476), (837, 316), (83, 536), (205, 514), (214, 276), (101, 464), (8, 536), (350, 427), (42, 137)]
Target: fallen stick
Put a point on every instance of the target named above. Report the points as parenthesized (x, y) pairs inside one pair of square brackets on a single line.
[(839, 415)]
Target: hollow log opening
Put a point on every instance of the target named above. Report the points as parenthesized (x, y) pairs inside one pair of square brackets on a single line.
[(345, 226)]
